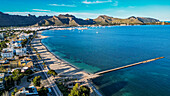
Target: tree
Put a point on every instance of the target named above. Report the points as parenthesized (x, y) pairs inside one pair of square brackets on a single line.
[(37, 80), (13, 94), (6, 81), (28, 72), (75, 91), (16, 78), (52, 72), (43, 91), (80, 91), (16, 72), (85, 91), (15, 90)]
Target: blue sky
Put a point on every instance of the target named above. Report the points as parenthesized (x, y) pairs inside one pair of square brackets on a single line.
[(159, 9)]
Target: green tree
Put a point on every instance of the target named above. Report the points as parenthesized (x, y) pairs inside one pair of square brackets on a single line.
[(28, 72), (37, 81), (15, 90), (75, 91), (6, 81), (43, 91), (80, 91), (13, 94), (85, 91), (52, 72), (16, 72)]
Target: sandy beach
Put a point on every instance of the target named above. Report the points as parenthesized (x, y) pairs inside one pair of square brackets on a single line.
[(63, 68)]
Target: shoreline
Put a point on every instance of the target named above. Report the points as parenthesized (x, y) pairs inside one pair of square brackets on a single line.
[(63, 67), (60, 58)]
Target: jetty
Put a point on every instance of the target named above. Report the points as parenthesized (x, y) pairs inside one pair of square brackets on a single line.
[(118, 68)]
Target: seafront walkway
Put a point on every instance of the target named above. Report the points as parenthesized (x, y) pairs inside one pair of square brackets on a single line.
[(51, 83)]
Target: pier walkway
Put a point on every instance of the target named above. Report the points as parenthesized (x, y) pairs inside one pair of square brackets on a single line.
[(130, 65), (126, 66)]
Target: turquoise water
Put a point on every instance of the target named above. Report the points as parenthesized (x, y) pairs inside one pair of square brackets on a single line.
[(117, 46)]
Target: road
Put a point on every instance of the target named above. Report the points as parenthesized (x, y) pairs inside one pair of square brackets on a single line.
[(55, 89)]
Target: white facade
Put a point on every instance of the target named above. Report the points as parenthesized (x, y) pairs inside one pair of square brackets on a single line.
[(15, 44), (2, 81), (21, 51), (7, 53)]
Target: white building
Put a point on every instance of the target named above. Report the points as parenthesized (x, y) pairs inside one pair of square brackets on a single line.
[(23, 36), (2, 35), (2, 81), (7, 53), (21, 51), (15, 44)]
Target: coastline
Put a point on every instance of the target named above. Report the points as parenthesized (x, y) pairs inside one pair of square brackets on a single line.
[(61, 66)]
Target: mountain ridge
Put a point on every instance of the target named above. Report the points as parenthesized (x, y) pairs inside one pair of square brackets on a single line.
[(68, 20)]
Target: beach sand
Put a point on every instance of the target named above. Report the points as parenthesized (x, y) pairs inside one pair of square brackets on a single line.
[(60, 66)]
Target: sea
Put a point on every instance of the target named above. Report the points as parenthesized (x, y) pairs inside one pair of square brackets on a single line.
[(101, 48)]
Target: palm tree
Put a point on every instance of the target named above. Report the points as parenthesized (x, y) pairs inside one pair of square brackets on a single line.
[(6, 81)]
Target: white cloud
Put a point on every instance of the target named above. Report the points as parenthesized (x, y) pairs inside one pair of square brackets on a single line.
[(95, 2), (116, 3), (63, 5), (77, 14), (40, 10)]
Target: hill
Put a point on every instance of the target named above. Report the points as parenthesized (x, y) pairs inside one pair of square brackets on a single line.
[(68, 20), (103, 20), (17, 20)]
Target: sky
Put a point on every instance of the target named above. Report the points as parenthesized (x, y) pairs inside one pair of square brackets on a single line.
[(159, 9)]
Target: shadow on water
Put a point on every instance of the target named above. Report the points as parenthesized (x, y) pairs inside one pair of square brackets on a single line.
[(113, 88)]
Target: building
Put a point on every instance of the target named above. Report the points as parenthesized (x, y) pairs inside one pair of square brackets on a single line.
[(2, 81), (26, 62), (30, 91), (7, 53), (21, 51), (2, 36), (23, 36), (15, 44)]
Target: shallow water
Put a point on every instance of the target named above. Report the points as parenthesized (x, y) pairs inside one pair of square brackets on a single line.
[(117, 46)]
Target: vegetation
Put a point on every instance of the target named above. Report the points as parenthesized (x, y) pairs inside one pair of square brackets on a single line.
[(42, 91), (52, 72), (36, 81), (28, 72), (24, 42), (63, 89), (28, 31), (3, 45), (13, 94), (80, 91), (15, 90), (17, 75), (9, 82)]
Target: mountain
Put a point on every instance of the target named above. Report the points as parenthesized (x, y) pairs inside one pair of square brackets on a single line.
[(17, 20), (104, 20), (68, 20)]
